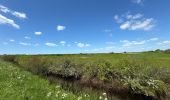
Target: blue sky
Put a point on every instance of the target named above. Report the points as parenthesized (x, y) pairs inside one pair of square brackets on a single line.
[(87, 26)]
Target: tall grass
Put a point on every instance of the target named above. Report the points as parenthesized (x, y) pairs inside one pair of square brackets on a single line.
[(146, 73)]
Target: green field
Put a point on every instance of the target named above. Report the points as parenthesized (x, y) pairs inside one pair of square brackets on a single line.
[(133, 75)]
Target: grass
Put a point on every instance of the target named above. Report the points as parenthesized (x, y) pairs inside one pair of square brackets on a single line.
[(145, 74), (16, 84)]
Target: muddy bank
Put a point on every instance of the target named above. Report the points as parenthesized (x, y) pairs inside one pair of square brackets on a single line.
[(97, 87)]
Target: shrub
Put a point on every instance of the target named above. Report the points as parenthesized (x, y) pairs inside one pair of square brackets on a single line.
[(10, 58), (66, 68), (160, 73), (99, 69), (148, 87), (135, 78), (167, 51)]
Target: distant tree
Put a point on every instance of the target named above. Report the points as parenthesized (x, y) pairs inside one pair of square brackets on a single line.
[(124, 52), (111, 52), (167, 51), (158, 50)]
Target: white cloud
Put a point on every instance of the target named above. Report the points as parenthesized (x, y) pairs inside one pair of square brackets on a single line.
[(164, 43), (135, 22), (24, 43), (61, 28), (63, 42), (146, 25), (153, 39), (12, 40), (127, 43), (118, 19), (26, 37), (82, 45), (125, 25), (19, 15), (51, 44), (137, 16), (4, 9), (15, 13), (138, 1), (5, 20), (38, 33)]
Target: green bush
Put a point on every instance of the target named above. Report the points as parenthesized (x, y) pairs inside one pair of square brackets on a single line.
[(148, 87), (138, 81), (10, 58), (66, 68), (99, 69), (160, 73)]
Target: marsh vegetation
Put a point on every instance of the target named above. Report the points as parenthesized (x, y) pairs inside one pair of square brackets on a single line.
[(132, 76)]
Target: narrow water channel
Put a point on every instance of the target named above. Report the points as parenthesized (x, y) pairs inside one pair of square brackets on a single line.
[(77, 88)]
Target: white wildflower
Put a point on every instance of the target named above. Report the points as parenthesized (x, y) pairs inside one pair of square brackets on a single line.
[(56, 95), (58, 92), (79, 98), (105, 99), (104, 94), (64, 95), (49, 94), (100, 97), (57, 86)]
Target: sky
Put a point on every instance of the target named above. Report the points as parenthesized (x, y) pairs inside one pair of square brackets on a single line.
[(83, 26)]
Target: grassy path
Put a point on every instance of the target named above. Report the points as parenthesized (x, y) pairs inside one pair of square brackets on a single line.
[(16, 84)]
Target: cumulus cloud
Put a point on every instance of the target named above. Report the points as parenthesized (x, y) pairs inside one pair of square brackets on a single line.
[(19, 15), (38, 33), (153, 39), (82, 45), (127, 43), (51, 44), (135, 22), (15, 13), (125, 25), (26, 37), (63, 42), (24, 43), (61, 28), (4, 9), (5, 20), (118, 19), (137, 16), (12, 40), (164, 43)]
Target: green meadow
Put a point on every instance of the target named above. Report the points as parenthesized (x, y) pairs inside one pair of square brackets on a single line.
[(114, 76)]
